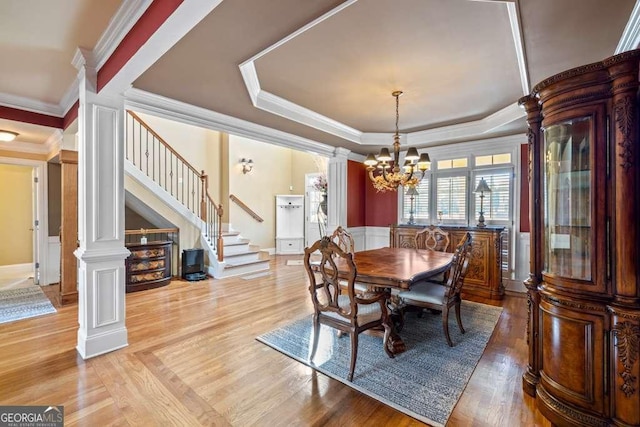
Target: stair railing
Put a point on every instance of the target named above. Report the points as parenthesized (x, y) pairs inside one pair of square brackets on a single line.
[(246, 208), (154, 157)]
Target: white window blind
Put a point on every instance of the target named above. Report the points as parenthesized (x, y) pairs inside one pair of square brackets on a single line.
[(497, 203), (451, 197), (420, 202)]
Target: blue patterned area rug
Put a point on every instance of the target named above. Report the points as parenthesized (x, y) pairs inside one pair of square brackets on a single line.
[(22, 303), (424, 382)]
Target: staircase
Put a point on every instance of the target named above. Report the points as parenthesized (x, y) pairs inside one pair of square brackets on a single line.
[(175, 183)]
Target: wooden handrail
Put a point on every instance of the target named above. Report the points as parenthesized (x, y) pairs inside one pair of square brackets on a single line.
[(208, 211), (246, 208), (159, 138)]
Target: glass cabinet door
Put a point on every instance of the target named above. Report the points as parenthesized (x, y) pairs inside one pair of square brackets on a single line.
[(567, 199)]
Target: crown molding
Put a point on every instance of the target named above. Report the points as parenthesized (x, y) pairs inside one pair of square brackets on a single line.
[(119, 26), (28, 104), (289, 110), (18, 146), (170, 109), (279, 106), (518, 44), (467, 130), (54, 142), (630, 38)]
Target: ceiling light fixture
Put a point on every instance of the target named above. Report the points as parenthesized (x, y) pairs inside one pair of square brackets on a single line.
[(389, 176), (7, 135)]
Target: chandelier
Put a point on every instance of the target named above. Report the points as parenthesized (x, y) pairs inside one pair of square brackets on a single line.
[(386, 175)]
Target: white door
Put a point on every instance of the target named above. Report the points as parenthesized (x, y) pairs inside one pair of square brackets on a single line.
[(35, 227), (315, 220)]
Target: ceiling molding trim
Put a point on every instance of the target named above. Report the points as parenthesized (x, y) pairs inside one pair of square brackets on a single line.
[(518, 43), (24, 147), (187, 15), (299, 31), (289, 110), (170, 109), (251, 82), (467, 130), (28, 104), (279, 106), (631, 35), (53, 144), (119, 26)]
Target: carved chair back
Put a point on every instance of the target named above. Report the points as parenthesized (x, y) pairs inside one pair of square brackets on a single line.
[(433, 238), (459, 267), (343, 239)]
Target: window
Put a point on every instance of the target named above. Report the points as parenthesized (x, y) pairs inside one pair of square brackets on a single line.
[(497, 203), (420, 202), (453, 163), (451, 197), (493, 159)]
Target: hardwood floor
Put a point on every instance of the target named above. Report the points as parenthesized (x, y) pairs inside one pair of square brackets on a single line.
[(193, 360)]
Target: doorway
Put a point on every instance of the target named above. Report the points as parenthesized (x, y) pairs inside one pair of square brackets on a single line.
[(315, 216), (22, 195)]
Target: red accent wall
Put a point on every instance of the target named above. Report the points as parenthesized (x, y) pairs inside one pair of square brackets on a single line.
[(381, 208), (356, 206), (149, 22), (30, 117), (71, 115), (524, 189)]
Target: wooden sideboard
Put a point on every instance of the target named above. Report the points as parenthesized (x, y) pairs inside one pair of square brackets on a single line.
[(148, 266), (484, 277)]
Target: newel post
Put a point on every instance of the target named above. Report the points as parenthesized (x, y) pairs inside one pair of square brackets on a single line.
[(220, 239)]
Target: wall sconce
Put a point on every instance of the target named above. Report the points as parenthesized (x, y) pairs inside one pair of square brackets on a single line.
[(247, 165), (7, 135)]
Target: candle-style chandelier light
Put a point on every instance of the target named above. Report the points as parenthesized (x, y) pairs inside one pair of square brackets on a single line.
[(387, 175)]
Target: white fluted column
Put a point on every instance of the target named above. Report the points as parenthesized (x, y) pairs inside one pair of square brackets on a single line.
[(101, 251), (337, 191)]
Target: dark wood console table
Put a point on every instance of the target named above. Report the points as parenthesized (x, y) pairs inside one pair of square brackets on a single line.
[(148, 266), (484, 277)]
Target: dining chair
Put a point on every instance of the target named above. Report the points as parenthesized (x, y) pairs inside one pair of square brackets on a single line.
[(434, 239), (344, 240), (436, 296), (348, 312)]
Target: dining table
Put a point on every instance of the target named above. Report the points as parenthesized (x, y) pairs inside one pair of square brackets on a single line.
[(395, 268)]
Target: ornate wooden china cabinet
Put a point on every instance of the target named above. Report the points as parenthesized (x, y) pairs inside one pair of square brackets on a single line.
[(583, 291)]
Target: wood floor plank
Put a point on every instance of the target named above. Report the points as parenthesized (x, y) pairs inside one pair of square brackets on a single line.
[(193, 360)]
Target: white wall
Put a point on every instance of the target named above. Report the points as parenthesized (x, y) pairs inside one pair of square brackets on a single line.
[(276, 170)]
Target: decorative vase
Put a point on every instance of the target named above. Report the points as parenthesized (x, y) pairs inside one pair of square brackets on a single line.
[(323, 203)]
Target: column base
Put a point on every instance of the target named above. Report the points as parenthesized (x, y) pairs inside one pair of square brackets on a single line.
[(102, 343)]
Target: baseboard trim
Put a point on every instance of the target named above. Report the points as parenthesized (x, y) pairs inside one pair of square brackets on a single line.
[(6, 270)]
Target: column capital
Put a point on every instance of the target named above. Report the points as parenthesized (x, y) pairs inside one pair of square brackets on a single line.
[(341, 153)]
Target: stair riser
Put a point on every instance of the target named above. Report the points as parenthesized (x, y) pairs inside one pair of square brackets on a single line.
[(245, 269), (236, 249), (233, 239), (241, 259)]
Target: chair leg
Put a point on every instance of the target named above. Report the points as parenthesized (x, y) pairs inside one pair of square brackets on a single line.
[(445, 325), (458, 317), (316, 333), (354, 354)]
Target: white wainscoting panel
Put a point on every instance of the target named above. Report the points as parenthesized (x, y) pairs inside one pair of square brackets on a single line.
[(376, 237)]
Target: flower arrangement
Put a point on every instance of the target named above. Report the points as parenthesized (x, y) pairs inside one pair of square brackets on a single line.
[(320, 183)]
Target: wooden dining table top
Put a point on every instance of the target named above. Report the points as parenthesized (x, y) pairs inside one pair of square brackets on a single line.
[(396, 267)]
